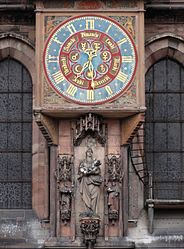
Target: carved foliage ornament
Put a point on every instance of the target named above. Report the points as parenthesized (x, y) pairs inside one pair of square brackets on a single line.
[(63, 176), (90, 124), (90, 229)]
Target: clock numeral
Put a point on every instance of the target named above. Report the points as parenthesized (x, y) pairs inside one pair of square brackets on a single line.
[(90, 24), (57, 41), (122, 41), (71, 28), (90, 95), (107, 30), (71, 90), (109, 90), (122, 77), (127, 58), (52, 58), (58, 77)]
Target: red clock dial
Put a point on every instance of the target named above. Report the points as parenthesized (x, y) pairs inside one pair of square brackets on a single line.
[(90, 59)]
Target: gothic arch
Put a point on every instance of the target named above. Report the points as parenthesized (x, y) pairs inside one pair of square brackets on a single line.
[(165, 45), (21, 49)]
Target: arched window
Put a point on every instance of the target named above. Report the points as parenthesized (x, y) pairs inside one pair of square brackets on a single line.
[(15, 135), (164, 128)]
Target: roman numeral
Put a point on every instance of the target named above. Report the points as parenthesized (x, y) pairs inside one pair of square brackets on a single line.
[(127, 58), (90, 24), (122, 77), (71, 28), (71, 90), (122, 41), (109, 90), (57, 41), (107, 30), (58, 77), (90, 95), (52, 58)]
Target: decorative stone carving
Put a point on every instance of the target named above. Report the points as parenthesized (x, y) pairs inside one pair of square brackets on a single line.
[(113, 203), (63, 175), (65, 204), (64, 168), (90, 181), (115, 176), (90, 124), (90, 229), (114, 168)]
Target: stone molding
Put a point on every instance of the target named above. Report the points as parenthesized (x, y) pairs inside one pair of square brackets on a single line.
[(161, 46)]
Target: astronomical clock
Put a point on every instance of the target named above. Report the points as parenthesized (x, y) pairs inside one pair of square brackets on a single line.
[(88, 103), (90, 61)]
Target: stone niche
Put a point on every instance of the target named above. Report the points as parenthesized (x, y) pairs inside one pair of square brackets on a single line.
[(89, 185)]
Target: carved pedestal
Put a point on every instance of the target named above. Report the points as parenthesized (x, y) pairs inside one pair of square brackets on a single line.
[(90, 229)]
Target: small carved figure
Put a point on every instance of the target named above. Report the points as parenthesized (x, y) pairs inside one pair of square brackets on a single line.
[(113, 203), (50, 24), (90, 181), (65, 204), (129, 26)]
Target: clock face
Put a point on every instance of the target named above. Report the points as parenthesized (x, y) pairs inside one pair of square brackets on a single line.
[(90, 59)]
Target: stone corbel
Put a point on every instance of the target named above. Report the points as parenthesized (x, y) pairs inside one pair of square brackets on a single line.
[(90, 229), (48, 127), (90, 124)]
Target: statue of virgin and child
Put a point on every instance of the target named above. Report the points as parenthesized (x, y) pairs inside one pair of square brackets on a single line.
[(90, 180)]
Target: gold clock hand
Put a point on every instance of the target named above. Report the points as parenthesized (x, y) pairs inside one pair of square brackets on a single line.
[(83, 68), (91, 68)]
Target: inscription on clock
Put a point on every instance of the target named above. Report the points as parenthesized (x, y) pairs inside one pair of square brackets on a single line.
[(90, 59)]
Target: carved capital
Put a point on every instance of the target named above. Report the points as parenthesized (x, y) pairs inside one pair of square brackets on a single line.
[(48, 127), (90, 229), (90, 124)]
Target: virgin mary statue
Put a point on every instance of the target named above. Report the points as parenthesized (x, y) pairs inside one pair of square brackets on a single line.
[(90, 181)]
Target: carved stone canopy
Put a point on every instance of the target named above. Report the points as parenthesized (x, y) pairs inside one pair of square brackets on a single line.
[(114, 168), (90, 124)]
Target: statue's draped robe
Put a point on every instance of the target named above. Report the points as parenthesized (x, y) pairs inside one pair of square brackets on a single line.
[(89, 188)]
